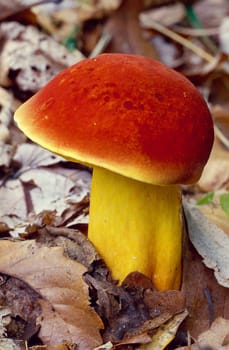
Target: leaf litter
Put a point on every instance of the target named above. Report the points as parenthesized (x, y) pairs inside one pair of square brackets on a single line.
[(34, 210)]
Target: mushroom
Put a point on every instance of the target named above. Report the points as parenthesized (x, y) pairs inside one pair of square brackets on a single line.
[(145, 129)]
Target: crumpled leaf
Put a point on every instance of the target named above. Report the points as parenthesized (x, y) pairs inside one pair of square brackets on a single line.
[(165, 335), (134, 310), (210, 241), (31, 156), (29, 58), (216, 338), (66, 313), (42, 184)]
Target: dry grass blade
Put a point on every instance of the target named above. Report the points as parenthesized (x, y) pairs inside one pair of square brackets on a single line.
[(178, 38)]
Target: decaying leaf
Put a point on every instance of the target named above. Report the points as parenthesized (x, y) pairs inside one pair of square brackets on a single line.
[(29, 58), (66, 313), (41, 184), (133, 311), (210, 241), (166, 334), (216, 338)]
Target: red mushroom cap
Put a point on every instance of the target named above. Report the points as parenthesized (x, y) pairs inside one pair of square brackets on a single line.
[(129, 114)]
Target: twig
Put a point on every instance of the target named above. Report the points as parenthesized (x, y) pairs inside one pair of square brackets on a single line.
[(197, 32), (101, 44), (176, 37)]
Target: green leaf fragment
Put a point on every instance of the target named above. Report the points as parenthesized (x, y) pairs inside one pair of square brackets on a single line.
[(206, 199), (224, 202)]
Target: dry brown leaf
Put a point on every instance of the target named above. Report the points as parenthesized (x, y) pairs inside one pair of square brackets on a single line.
[(66, 313), (165, 335), (210, 241), (42, 184), (216, 338), (205, 298), (29, 58), (125, 31), (216, 172)]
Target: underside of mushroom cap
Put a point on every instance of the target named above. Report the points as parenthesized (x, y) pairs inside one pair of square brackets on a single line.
[(129, 114)]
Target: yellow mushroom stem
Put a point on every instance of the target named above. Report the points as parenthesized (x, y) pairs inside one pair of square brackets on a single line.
[(137, 227)]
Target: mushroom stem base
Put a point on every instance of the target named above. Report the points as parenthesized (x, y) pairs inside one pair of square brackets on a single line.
[(137, 227)]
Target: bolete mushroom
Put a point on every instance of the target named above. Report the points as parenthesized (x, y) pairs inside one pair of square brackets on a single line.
[(144, 129)]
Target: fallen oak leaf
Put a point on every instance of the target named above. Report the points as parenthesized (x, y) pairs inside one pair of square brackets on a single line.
[(58, 280), (133, 311), (210, 241)]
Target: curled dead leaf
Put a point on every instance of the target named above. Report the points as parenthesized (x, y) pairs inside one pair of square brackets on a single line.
[(42, 183), (210, 241), (216, 172), (66, 312)]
